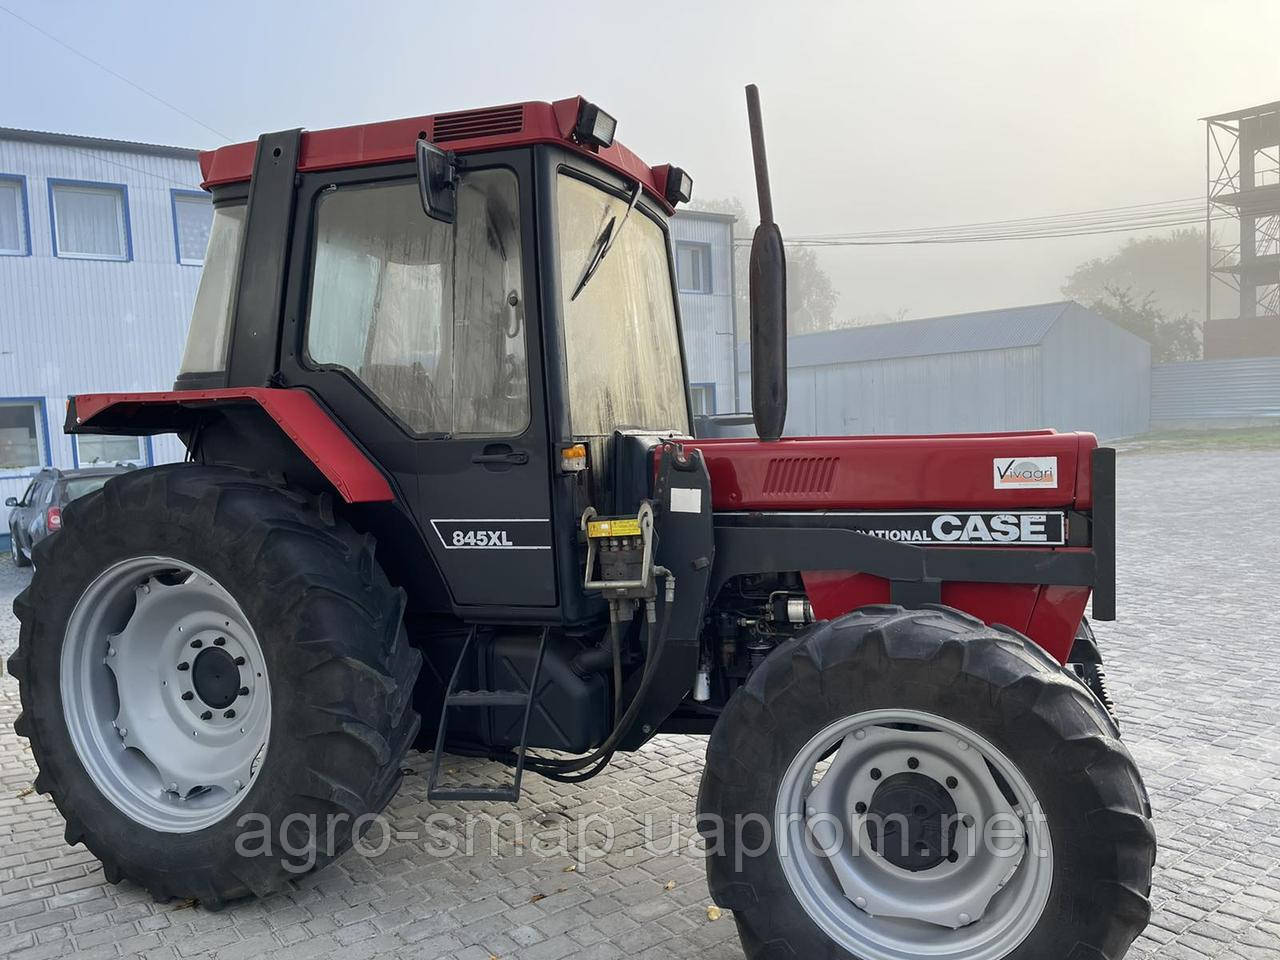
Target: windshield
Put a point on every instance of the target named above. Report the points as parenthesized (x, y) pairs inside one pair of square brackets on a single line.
[(80, 486), (621, 341)]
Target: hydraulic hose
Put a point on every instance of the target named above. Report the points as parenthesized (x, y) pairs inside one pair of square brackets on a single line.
[(550, 766)]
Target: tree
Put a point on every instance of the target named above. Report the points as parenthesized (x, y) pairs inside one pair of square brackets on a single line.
[(1168, 270), (811, 296), (1171, 338)]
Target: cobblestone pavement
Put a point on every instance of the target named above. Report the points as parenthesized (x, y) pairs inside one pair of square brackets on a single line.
[(1192, 665)]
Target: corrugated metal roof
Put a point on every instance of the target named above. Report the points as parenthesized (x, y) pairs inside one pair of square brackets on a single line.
[(98, 143), (958, 333)]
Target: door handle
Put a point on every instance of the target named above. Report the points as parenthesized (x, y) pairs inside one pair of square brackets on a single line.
[(501, 456)]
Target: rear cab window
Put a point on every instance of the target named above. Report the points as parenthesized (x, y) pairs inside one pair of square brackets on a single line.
[(207, 337)]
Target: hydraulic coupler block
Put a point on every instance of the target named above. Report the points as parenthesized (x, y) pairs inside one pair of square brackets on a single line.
[(620, 555)]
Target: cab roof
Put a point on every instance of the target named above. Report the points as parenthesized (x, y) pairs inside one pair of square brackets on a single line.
[(465, 131)]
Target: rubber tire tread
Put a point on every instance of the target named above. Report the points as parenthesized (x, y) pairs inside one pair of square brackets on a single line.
[(339, 662), (993, 680)]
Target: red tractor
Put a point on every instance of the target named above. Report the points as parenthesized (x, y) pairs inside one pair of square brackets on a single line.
[(440, 465)]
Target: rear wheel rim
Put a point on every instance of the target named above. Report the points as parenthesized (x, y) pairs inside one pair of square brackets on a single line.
[(860, 848), (165, 693)]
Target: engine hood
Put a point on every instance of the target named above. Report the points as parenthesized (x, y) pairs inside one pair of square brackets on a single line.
[(958, 471)]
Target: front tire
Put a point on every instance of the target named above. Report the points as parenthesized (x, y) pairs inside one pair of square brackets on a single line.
[(215, 681), (886, 705)]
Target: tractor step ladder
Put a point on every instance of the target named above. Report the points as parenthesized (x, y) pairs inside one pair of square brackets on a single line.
[(455, 698)]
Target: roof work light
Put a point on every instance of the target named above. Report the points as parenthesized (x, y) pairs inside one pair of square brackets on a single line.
[(594, 126), (679, 187)]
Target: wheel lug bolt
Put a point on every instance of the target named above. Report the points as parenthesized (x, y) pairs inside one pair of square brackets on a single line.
[(184, 665), (220, 641), (188, 695), (207, 715), (861, 903), (964, 919), (952, 783), (244, 691), (875, 773), (237, 784), (197, 644), (173, 788), (239, 661), (860, 735), (124, 732), (859, 807), (913, 763), (230, 714)]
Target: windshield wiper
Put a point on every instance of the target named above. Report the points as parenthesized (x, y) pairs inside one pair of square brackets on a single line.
[(604, 242)]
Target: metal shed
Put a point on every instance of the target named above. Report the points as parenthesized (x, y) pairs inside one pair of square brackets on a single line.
[(1047, 365)]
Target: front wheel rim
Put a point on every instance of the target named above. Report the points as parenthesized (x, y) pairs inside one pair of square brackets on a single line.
[(859, 847), (165, 693)]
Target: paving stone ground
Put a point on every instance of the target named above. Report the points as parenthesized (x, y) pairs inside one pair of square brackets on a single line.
[(1193, 663)]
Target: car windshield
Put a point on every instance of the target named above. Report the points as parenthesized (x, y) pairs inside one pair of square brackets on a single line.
[(80, 486), (621, 340)]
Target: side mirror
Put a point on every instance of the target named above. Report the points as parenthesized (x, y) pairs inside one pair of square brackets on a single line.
[(11, 501), (437, 182)]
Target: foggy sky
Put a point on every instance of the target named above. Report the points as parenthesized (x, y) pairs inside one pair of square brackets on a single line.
[(879, 115)]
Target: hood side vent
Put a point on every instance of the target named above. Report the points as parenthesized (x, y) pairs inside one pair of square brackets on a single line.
[(789, 476), (477, 123)]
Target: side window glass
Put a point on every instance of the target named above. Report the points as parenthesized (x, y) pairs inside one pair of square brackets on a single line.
[(429, 316)]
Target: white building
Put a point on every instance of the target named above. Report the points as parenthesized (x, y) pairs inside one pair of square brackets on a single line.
[(704, 271), (101, 245)]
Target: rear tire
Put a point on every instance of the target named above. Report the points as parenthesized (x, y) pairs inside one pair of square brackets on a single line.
[(1011, 697), (339, 674), (15, 551)]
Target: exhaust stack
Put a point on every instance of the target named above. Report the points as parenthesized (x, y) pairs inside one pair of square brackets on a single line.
[(768, 286)]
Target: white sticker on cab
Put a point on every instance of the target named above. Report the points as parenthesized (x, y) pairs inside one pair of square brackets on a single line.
[(686, 500)]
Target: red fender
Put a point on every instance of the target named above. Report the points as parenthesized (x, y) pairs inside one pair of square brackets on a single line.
[(297, 412)]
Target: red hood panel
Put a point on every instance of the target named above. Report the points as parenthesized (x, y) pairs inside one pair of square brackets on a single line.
[(893, 473)]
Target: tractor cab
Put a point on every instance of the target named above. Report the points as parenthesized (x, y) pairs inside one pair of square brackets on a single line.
[(484, 299)]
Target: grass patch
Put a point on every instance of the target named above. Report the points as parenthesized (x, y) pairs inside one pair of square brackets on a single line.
[(1169, 441)]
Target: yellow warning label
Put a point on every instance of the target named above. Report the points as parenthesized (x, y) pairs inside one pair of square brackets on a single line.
[(626, 527)]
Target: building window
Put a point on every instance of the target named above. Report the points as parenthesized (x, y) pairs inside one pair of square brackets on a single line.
[(703, 396), (90, 220), (24, 438), (102, 450), (693, 267), (192, 218), (15, 232)]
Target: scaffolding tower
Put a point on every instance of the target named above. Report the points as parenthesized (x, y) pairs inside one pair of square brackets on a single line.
[(1242, 164)]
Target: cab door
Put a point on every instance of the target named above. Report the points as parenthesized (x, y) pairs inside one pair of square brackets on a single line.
[(423, 338)]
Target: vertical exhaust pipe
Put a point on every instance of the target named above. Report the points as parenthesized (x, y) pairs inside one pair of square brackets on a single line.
[(768, 286)]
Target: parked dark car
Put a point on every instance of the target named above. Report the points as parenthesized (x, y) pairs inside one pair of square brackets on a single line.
[(38, 512)]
